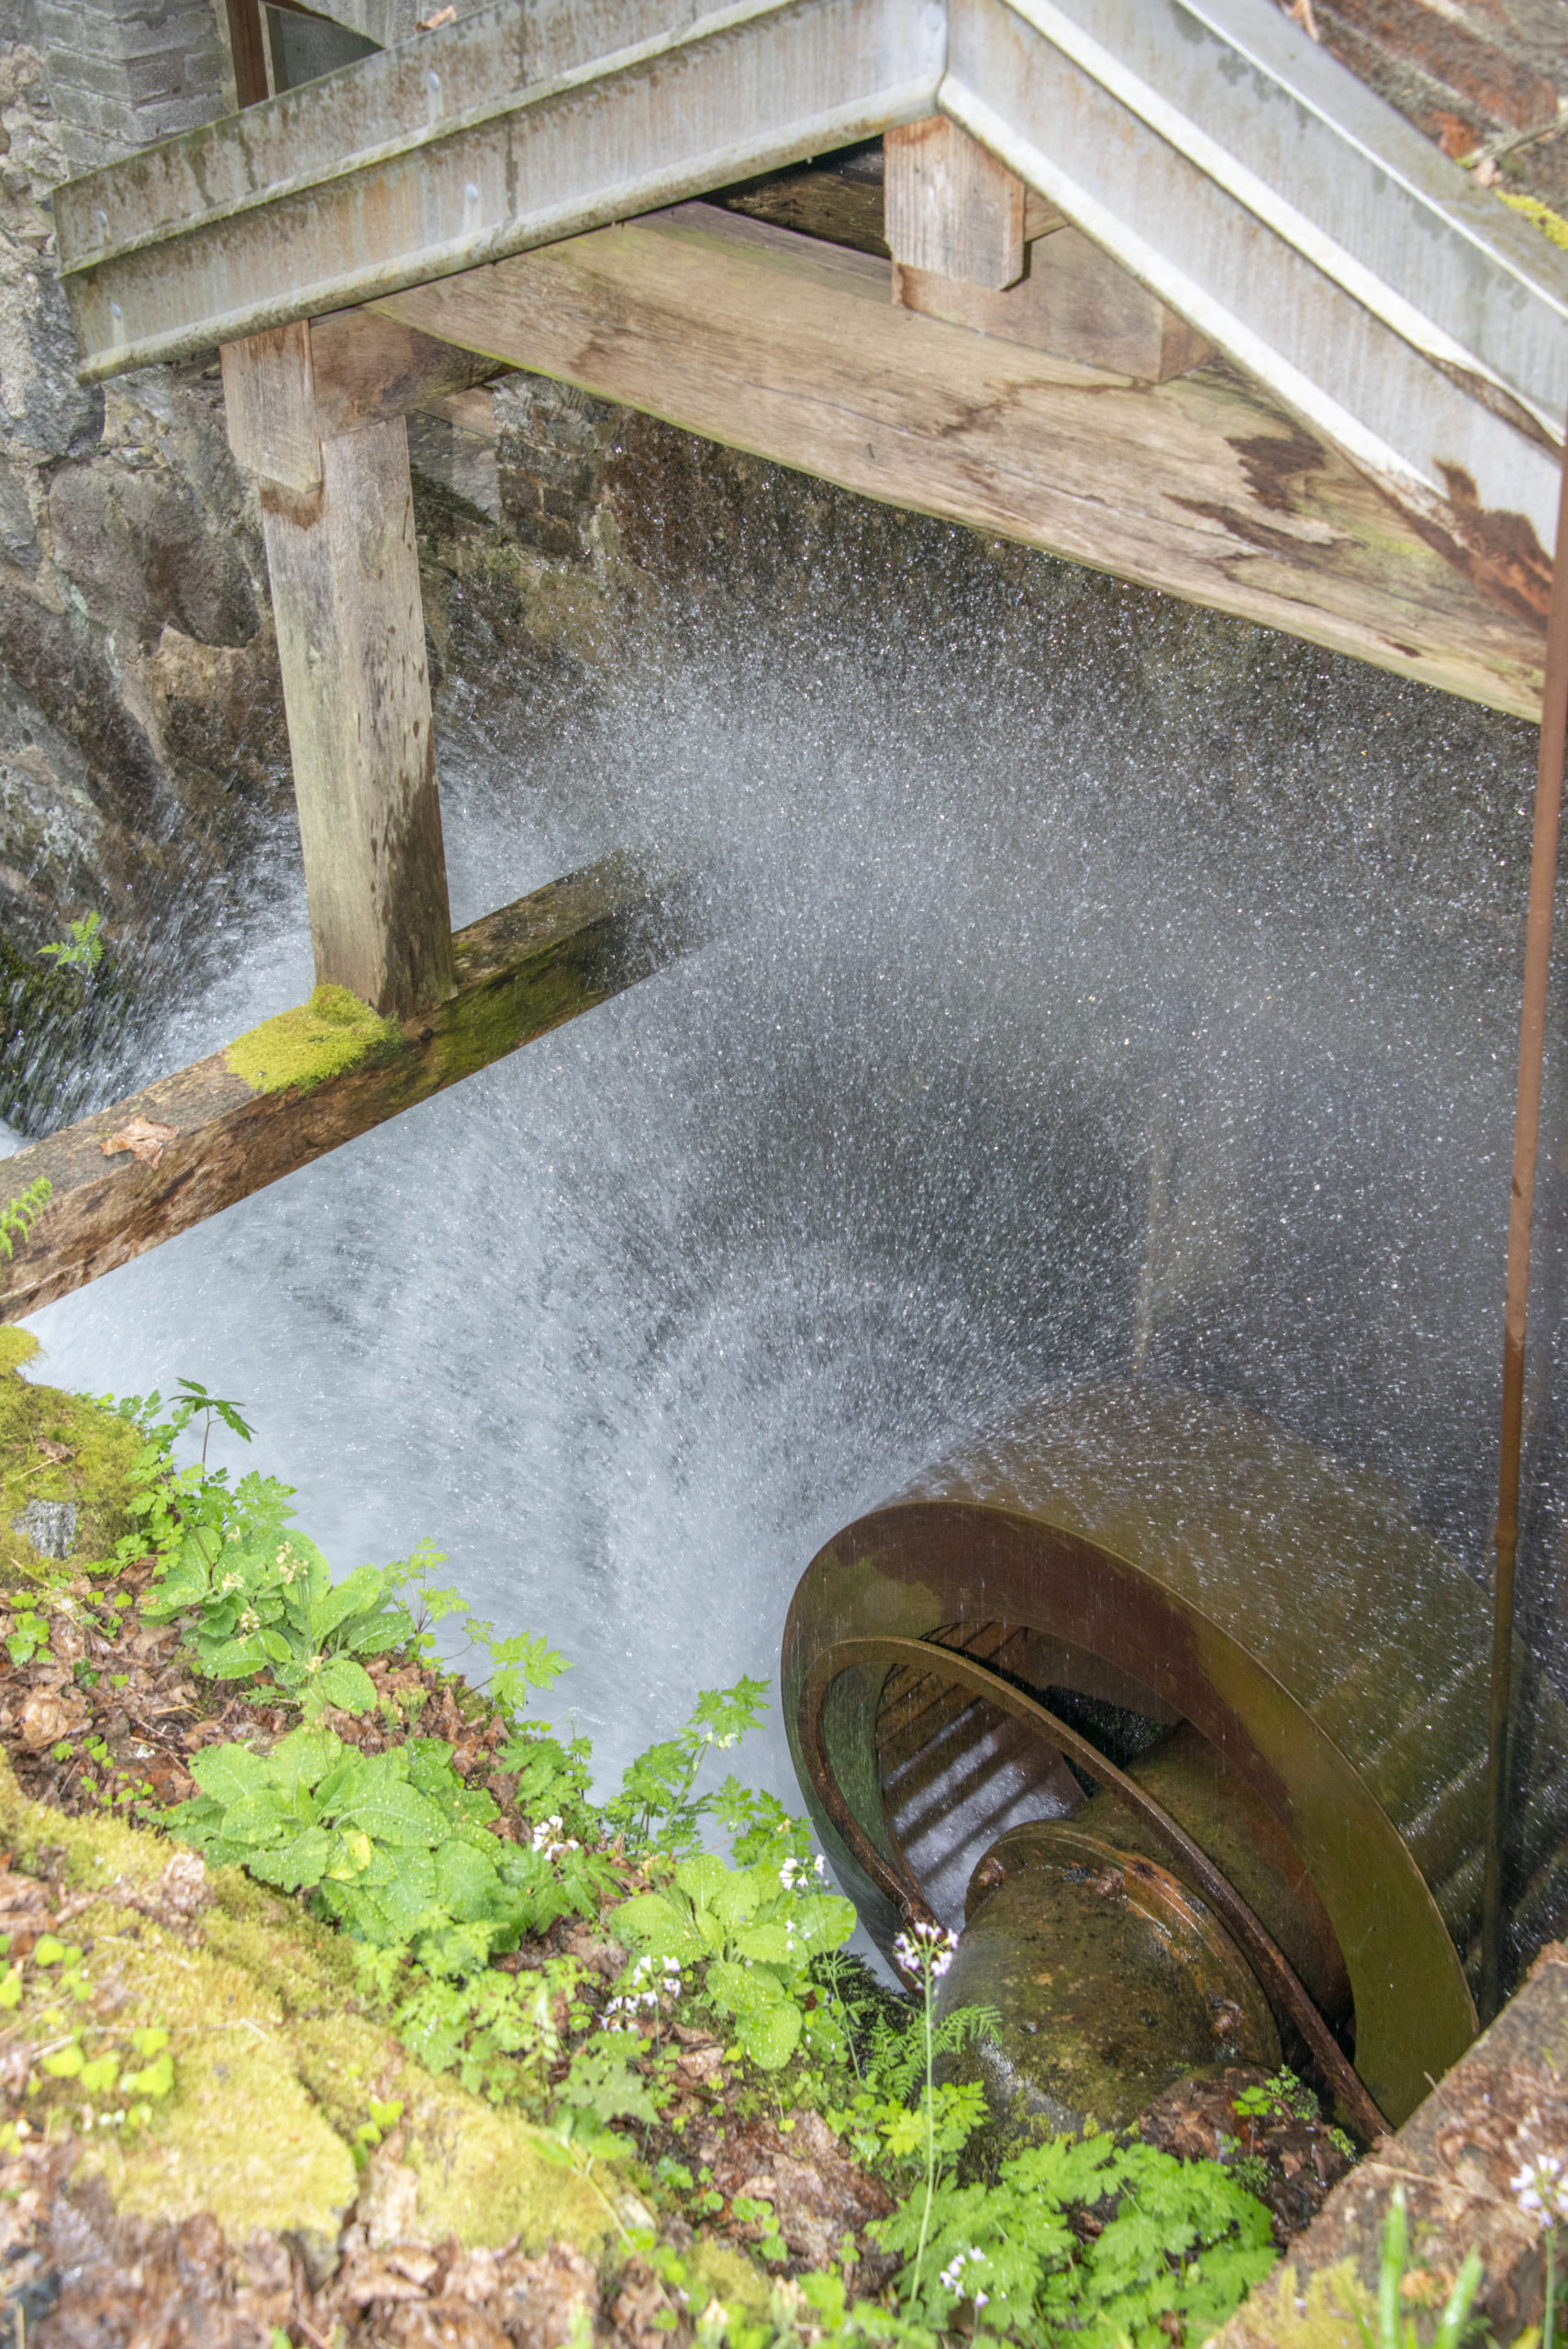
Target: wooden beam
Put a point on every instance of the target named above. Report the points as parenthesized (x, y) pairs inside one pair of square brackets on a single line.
[(269, 400), (366, 369), (208, 1137), (1074, 300), (1201, 486), (337, 518), (951, 207)]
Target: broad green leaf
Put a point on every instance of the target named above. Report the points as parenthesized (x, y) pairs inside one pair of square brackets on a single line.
[(738, 1897), (395, 1812), (658, 1926), (744, 1987), (466, 1882), (259, 1818), (302, 1862), (229, 1772), (770, 1941), (236, 1659), (822, 1921), (411, 1895), (346, 1684), (702, 1876), (712, 1930), (355, 1594), (277, 1647), (303, 1758), (769, 2035)]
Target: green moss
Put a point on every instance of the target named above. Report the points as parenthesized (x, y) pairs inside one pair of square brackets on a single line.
[(275, 2070), (1550, 224), (103, 1448), (718, 2271), (484, 2175), (302, 1047)]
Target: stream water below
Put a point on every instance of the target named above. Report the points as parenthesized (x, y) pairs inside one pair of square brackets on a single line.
[(1090, 996)]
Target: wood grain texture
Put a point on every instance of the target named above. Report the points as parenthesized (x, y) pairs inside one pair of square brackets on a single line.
[(520, 973), (269, 399), (950, 206), (367, 369), (345, 576), (1074, 300), (1200, 486)]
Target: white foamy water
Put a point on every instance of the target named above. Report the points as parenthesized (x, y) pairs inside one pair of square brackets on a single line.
[(1069, 1007)]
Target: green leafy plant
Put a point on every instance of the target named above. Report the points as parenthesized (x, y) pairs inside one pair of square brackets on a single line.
[(85, 948), (49, 1992), (753, 1933), (656, 1805), (268, 1603), (27, 1635), (1179, 2241), (18, 1216), (392, 1846)]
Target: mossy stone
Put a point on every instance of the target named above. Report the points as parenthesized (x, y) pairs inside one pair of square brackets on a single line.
[(275, 2072), (103, 1449)]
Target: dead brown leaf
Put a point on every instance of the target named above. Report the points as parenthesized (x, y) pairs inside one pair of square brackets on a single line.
[(48, 1717), (143, 1137)]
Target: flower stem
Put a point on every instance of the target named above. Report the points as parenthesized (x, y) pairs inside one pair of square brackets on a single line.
[(931, 2131)]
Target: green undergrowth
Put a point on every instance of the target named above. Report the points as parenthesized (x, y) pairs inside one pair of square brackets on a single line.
[(448, 1955), (297, 1049)]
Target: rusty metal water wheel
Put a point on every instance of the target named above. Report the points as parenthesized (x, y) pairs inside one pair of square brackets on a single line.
[(1144, 1649)]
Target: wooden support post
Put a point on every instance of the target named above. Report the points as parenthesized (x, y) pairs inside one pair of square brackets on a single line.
[(949, 206), (193, 1143), (337, 515)]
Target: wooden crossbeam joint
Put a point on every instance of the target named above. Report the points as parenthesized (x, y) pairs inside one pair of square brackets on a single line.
[(133, 1176)]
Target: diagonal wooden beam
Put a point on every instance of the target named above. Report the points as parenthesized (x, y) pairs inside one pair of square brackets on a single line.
[(1200, 486), (196, 1142)]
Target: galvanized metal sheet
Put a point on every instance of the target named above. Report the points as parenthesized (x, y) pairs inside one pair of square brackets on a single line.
[(1407, 397), (509, 129)]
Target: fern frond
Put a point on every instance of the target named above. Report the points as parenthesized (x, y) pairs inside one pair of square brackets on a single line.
[(18, 1216)]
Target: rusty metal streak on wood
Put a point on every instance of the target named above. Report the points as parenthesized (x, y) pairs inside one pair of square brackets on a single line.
[(520, 972)]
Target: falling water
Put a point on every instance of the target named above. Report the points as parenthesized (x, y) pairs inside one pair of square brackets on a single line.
[(1097, 988)]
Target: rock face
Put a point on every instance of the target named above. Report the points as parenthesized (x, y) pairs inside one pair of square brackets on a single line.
[(142, 751)]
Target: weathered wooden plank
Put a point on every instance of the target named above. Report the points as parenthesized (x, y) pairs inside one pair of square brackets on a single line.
[(1073, 300), (1200, 486), (345, 577), (1396, 310), (1356, 279), (951, 208), (519, 124), (519, 973), (269, 399), (366, 369)]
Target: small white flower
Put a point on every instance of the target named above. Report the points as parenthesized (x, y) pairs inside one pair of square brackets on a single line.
[(1540, 2189)]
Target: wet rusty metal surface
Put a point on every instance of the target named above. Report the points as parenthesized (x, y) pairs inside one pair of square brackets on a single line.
[(1496, 2112), (1283, 1987), (1112, 1981), (1333, 1655)]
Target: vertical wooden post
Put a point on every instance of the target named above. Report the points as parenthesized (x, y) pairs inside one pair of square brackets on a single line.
[(950, 206), (339, 519)]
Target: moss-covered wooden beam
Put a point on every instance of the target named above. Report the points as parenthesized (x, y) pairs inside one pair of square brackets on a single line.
[(89, 1197)]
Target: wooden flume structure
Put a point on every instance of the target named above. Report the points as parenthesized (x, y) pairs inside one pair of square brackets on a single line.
[(1166, 291)]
